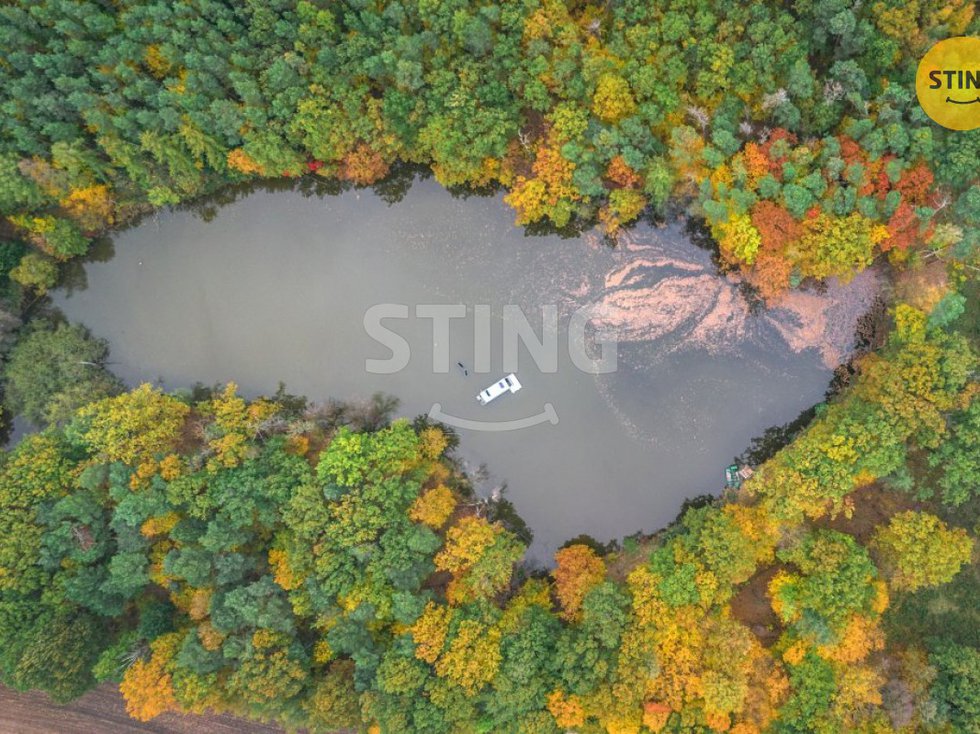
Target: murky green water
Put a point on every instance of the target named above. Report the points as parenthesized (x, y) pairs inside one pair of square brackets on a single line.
[(276, 285)]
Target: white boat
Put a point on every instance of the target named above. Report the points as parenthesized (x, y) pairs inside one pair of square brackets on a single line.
[(507, 384)]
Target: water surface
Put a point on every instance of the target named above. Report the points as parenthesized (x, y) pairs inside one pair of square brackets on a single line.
[(276, 285)]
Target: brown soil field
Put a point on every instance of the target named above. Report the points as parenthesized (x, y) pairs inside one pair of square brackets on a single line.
[(103, 711)]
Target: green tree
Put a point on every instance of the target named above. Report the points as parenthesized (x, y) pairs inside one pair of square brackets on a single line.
[(958, 457), (56, 654), (35, 271), (957, 685), (54, 371), (833, 582)]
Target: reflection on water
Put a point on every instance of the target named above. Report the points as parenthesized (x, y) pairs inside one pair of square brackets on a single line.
[(275, 287)]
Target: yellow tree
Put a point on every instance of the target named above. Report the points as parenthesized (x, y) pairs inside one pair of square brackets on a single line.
[(132, 427), (242, 162), (473, 656), (147, 685), (740, 240), (430, 630), (624, 206), (577, 570), (550, 192), (916, 550), (481, 556), (434, 507), (839, 246), (92, 207), (236, 422), (613, 99), (567, 709)]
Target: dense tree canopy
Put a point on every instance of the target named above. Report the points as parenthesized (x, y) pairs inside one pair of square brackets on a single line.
[(273, 560), (793, 129), (333, 569)]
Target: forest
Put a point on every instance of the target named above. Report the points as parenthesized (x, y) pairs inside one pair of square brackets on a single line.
[(333, 569)]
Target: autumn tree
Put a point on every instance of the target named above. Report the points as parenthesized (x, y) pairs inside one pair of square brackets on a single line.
[(917, 550), (613, 99), (577, 570), (481, 556), (132, 427), (227, 554), (147, 685), (472, 656), (434, 507)]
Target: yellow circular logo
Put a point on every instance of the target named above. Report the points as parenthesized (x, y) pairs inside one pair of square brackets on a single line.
[(948, 83)]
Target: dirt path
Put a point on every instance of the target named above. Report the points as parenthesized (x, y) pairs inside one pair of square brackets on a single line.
[(102, 712)]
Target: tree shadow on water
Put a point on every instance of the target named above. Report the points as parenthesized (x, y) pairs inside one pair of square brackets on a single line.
[(72, 275), (697, 230)]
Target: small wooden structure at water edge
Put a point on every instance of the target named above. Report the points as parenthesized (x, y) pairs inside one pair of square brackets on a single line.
[(734, 476)]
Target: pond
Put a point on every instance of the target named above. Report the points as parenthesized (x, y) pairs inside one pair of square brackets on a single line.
[(277, 285)]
